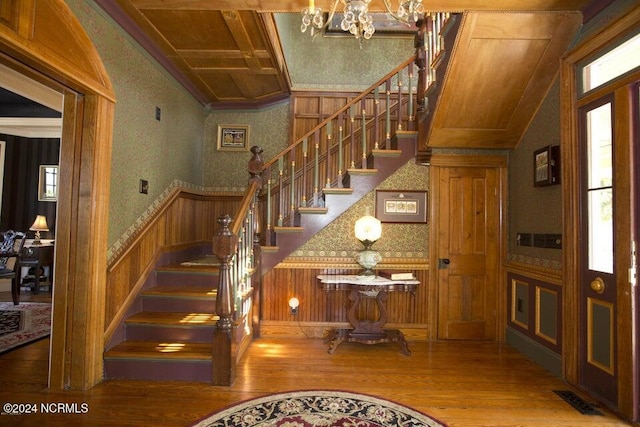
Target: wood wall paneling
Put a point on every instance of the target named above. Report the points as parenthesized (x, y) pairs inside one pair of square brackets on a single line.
[(320, 311), (535, 310), (187, 220)]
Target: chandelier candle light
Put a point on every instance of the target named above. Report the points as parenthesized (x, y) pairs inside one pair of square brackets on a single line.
[(368, 230), (356, 18)]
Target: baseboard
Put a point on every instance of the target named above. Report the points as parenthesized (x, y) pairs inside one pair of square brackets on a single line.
[(538, 353), (293, 329)]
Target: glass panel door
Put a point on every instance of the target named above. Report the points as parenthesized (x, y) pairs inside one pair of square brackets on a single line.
[(597, 278)]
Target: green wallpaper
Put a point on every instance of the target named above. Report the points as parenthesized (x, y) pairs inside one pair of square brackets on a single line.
[(268, 129), (338, 63), (397, 241), (143, 148), (535, 209)]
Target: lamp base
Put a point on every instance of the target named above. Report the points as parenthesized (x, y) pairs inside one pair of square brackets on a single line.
[(368, 259)]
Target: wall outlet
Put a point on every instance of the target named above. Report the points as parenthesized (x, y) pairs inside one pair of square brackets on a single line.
[(144, 186), (158, 113)]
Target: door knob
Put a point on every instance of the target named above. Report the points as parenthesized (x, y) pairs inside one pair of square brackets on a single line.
[(443, 263), (597, 285)]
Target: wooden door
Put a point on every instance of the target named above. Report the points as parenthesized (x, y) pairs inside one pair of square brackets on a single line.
[(598, 261), (468, 251)]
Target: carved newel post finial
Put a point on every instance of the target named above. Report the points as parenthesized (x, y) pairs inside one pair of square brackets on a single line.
[(255, 165), (225, 245)]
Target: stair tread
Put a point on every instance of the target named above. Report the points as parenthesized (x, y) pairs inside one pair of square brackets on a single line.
[(195, 267), (173, 318), (182, 291), (288, 229), (160, 350)]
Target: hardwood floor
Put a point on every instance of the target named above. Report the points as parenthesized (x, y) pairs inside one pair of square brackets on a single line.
[(459, 383)]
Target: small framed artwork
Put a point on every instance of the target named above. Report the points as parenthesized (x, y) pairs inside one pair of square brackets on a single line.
[(233, 138), (546, 166), (401, 206)]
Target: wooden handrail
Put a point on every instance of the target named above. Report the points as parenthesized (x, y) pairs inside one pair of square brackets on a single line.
[(243, 210), (346, 107)]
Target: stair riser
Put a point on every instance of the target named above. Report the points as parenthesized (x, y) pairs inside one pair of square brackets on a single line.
[(169, 334), (187, 278), (178, 304), (154, 370)]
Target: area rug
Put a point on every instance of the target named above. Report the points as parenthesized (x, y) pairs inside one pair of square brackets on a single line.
[(318, 408), (23, 323)]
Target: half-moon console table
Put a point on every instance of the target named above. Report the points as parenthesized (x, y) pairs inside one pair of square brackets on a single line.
[(366, 331)]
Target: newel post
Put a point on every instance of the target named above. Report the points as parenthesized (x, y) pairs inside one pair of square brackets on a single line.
[(225, 245)]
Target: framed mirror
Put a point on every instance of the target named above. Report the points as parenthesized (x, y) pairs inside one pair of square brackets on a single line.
[(48, 183)]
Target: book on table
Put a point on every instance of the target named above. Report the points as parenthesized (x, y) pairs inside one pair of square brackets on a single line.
[(397, 275)]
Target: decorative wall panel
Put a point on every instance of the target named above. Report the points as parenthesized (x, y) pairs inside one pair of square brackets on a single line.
[(534, 309)]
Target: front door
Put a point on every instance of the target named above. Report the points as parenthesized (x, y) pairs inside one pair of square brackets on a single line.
[(598, 278), (468, 251)]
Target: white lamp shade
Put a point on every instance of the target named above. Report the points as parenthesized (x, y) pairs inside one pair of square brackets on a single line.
[(368, 228), (40, 224)]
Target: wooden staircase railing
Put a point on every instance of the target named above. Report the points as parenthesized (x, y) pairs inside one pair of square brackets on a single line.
[(297, 179), (238, 285)]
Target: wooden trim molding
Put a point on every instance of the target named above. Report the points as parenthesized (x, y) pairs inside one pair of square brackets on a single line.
[(535, 272), (571, 265), (70, 64)]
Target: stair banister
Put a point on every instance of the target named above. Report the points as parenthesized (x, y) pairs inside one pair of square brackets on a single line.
[(354, 101)]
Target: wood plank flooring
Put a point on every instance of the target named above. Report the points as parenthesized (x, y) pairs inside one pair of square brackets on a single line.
[(466, 384)]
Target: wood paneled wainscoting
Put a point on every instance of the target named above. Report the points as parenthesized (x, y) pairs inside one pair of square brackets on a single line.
[(534, 313), (182, 228), (321, 311)]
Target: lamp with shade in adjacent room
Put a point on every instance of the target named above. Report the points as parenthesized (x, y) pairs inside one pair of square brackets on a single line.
[(40, 224)]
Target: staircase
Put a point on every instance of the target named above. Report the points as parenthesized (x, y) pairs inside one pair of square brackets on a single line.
[(381, 164), (170, 337), (169, 331)]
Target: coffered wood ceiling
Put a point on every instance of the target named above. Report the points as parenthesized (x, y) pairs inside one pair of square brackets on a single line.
[(227, 52)]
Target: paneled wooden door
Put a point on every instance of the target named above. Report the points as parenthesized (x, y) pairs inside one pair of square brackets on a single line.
[(598, 275), (468, 235)]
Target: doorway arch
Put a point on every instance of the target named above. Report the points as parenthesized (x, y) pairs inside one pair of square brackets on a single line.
[(70, 64)]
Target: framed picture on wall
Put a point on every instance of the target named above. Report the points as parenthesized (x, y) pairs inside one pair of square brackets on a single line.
[(401, 206), (233, 137), (546, 166)]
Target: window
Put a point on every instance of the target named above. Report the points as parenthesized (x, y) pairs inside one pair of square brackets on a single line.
[(622, 58)]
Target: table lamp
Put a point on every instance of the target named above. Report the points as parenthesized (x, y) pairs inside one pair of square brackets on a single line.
[(40, 224), (368, 230)]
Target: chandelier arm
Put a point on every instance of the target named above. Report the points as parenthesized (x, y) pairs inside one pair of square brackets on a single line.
[(387, 5), (333, 12)]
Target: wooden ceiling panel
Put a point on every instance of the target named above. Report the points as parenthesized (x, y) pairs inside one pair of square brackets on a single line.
[(228, 51), (192, 30), (486, 104), (224, 87), (490, 103), (220, 64), (376, 6)]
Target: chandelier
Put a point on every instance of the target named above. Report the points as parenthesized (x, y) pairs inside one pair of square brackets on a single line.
[(356, 18)]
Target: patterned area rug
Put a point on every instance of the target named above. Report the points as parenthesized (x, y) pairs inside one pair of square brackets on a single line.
[(23, 323), (318, 408)]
